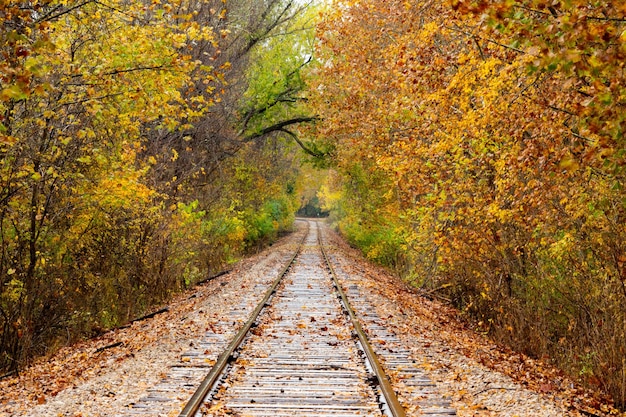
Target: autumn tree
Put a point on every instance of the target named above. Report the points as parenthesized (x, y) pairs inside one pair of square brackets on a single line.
[(116, 120), (82, 79), (248, 34), (494, 134)]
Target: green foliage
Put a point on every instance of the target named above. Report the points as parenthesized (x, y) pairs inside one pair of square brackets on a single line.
[(274, 100), (274, 77), (263, 224), (379, 242), (358, 209)]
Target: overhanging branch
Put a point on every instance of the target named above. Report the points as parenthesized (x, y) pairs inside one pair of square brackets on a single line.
[(302, 145), (281, 127)]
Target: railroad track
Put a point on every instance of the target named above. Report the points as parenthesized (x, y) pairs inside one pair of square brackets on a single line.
[(304, 352)]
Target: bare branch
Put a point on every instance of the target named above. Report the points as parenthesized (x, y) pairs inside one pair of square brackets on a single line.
[(279, 127), (50, 16), (282, 128), (301, 144), (456, 28)]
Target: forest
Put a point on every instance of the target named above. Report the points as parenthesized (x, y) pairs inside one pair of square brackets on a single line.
[(139, 154), (476, 148)]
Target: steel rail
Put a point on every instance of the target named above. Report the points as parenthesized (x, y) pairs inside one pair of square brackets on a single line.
[(391, 398), (194, 404)]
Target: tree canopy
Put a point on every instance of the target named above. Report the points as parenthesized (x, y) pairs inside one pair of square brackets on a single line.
[(478, 147)]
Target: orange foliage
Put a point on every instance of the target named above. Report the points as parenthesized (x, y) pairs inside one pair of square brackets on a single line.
[(497, 130)]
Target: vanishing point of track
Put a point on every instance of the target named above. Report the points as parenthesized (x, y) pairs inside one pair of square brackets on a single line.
[(303, 351)]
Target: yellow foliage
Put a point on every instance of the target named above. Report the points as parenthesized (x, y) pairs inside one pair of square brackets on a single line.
[(497, 153)]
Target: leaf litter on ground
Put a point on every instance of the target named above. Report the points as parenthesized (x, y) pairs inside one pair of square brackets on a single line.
[(104, 375)]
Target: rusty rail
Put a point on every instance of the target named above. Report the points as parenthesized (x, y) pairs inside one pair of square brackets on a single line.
[(387, 390), (387, 399), (194, 404)]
